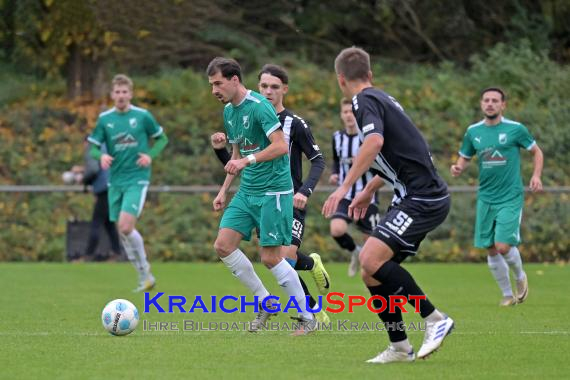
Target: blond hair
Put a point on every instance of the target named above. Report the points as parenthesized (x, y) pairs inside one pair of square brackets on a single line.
[(122, 80)]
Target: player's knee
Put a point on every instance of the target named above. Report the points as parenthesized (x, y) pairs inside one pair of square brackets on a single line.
[(125, 228), (270, 260), (289, 251), (222, 247), (366, 262), (337, 229), (368, 279), (502, 248), (370, 263), (365, 276)]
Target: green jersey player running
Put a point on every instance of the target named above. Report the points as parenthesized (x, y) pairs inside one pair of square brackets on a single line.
[(497, 142), (264, 200), (125, 131)]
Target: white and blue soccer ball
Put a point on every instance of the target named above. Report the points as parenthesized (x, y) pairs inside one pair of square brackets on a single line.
[(120, 317)]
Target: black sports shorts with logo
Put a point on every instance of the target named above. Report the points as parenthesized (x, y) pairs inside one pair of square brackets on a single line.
[(366, 224), (298, 226), (405, 225)]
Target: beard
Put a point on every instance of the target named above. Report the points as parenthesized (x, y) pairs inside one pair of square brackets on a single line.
[(221, 99), (492, 116)]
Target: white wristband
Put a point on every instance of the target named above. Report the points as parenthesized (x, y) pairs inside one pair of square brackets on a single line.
[(251, 159)]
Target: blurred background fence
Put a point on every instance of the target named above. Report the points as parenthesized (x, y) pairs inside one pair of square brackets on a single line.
[(179, 225)]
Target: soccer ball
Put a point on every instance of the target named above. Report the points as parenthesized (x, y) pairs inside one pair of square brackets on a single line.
[(120, 317)]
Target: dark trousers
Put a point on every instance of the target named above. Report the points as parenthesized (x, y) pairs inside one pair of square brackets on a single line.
[(101, 219)]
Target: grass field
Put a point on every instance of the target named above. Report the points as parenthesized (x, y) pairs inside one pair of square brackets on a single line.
[(50, 328)]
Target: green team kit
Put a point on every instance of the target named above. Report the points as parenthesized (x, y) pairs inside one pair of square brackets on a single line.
[(265, 197), (126, 134), (501, 192)]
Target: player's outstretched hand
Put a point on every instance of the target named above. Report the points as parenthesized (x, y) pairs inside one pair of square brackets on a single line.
[(359, 205), (218, 140), (219, 202), (331, 204), (144, 160), (535, 184), (106, 161), (456, 170)]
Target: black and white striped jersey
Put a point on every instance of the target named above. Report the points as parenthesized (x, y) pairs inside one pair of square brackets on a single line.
[(405, 160), (301, 142), (345, 148)]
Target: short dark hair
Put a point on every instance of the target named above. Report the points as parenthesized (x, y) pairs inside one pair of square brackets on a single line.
[(345, 101), (496, 89), (353, 63), (226, 66), (276, 71)]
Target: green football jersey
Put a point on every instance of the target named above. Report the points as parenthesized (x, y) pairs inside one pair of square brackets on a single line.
[(249, 124), (498, 152), (126, 134)]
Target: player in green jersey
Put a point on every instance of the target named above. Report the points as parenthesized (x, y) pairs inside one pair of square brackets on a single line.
[(497, 142), (274, 85), (125, 131), (265, 197)]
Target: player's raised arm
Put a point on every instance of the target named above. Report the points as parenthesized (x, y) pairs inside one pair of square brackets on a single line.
[(218, 141)]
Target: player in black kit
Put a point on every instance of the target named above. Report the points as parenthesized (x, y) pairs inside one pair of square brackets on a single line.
[(394, 149), (345, 145), (273, 84)]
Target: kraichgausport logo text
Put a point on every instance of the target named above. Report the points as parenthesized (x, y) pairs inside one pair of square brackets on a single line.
[(337, 302)]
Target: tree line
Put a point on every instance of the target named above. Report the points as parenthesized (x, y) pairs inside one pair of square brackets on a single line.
[(83, 40)]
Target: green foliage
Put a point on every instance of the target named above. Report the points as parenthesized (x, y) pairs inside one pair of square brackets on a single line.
[(47, 29), (82, 39), (42, 136)]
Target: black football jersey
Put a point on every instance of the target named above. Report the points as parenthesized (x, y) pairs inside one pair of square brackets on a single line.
[(405, 160)]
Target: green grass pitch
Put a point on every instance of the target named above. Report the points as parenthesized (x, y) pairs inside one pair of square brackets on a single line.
[(50, 328)]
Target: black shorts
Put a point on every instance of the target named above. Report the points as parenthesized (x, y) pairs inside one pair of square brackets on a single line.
[(405, 225), (298, 226), (366, 224)]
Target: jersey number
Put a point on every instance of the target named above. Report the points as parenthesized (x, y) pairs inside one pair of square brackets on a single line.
[(374, 219), (400, 223), (297, 229)]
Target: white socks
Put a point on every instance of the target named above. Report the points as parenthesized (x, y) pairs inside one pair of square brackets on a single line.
[(241, 267), (402, 346), (500, 271), (288, 279), (134, 247), (513, 258), (434, 317)]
